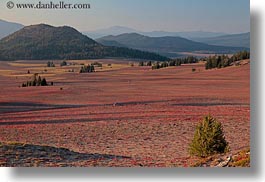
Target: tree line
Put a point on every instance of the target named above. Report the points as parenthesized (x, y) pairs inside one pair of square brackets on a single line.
[(224, 60), (170, 63)]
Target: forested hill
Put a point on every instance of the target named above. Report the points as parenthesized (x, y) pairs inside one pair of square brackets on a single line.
[(39, 42)]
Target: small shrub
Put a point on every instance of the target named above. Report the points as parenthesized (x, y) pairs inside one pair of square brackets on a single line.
[(50, 64), (149, 63), (64, 63), (97, 64), (193, 69), (242, 159), (141, 63), (208, 139)]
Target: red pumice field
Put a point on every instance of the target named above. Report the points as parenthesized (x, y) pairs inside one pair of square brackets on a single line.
[(120, 115)]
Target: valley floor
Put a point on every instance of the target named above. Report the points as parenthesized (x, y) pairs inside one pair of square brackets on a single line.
[(120, 115)]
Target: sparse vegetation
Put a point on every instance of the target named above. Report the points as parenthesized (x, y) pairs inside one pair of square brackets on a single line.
[(97, 64), (208, 139), (87, 69), (141, 63), (36, 80), (242, 159), (64, 63), (175, 86), (50, 64)]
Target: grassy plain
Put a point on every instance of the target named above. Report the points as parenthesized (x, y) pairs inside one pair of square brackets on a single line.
[(146, 116)]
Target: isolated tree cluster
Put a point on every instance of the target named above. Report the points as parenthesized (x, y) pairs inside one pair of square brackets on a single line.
[(64, 63), (50, 64), (36, 80), (87, 69), (224, 60)]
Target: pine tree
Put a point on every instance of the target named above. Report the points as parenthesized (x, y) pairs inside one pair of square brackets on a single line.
[(208, 138), (44, 82), (39, 81)]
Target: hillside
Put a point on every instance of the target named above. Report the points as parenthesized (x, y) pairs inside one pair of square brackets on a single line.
[(114, 30), (164, 45), (237, 40), (38, 42), (7, 28)]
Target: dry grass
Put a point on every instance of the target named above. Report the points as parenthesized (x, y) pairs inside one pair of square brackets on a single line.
[(148, 115)]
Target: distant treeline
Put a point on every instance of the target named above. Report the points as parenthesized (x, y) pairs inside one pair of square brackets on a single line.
[(97, 52), (170, 63), (224, 60)]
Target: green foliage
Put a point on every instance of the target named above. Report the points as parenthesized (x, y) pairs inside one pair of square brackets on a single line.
[(149, 63), (43, 82), (44, 42), (208, 139), (224, 61), (87, 69), (36, 80), (156, 66), (64, 63), (175, 62), (50, 64)]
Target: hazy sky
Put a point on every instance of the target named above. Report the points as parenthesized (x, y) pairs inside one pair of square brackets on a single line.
[(229, 16)]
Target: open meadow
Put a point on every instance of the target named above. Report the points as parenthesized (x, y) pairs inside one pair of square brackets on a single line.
[(120, 115)]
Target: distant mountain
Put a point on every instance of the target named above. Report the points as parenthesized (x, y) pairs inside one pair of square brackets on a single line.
[(237, 40), (7, 28), (39, 42), (117, 30), (188, 35), (166, 45)]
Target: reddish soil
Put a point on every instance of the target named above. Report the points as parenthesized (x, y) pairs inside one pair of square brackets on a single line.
[(147, 116)]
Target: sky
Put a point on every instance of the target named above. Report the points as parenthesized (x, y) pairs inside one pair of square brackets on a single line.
[(227, 16)]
